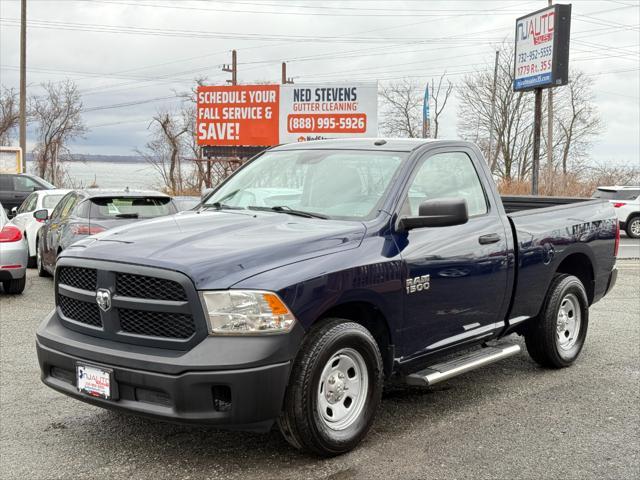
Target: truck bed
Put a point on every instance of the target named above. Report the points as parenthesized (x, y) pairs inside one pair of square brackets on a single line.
[(521, 203), (547, 231)]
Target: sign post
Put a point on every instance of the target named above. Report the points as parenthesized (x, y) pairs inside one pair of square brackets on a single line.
[(541, 61)]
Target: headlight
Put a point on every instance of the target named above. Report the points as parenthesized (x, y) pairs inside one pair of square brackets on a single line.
[(246, 312)]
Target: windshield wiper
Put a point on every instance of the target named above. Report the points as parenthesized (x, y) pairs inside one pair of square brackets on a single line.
[(289, 210), (127, 215), (220, 206)]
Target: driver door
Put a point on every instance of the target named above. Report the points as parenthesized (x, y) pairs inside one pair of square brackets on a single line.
[(458, 273)]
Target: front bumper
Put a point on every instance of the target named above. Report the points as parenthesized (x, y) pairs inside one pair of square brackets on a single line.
[(232, 382)]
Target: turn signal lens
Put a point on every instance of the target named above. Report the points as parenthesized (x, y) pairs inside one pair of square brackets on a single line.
[(10, 234), (248, 312)]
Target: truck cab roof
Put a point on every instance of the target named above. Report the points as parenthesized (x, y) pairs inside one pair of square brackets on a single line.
[(389, 144)]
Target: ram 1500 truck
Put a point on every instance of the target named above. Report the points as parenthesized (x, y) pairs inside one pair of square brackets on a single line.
[(314, 274)]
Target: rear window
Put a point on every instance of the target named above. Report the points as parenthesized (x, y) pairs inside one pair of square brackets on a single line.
[(50, 201), (131, 207), (617, 194)]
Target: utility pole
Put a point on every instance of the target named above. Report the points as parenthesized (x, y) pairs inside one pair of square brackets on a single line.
[(23, 83), (550, 137), (493, 112), (233, 69), (285, 80), (537, 121)]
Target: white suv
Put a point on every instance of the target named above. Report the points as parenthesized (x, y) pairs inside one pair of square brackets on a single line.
[(626, 200)]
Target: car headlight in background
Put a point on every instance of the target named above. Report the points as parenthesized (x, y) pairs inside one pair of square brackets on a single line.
[(246, 312)]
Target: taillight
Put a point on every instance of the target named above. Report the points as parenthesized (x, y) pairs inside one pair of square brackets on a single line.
[(617, 244), (83, 229), (10, 234), (618, 205)]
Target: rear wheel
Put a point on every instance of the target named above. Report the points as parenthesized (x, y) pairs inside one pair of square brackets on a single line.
[(39, 261), (633, 227), (556, 339), (334, 390), (15, 286)]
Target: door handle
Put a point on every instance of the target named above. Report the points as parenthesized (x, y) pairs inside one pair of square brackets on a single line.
[(489, 238)]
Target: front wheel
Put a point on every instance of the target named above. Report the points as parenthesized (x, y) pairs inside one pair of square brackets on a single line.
[(633, 227), (335, 389), (556, 338)]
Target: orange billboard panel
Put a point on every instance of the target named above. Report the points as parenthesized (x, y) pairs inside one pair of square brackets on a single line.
[(238, 115)]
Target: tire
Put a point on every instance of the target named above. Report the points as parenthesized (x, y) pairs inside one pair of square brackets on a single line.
[(556, 338), (15, 286), (39, 261), (633, 227), (337, 353)]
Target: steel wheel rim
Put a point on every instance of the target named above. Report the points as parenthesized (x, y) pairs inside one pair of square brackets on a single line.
[(635, 227), (343, 388), (568, 322)]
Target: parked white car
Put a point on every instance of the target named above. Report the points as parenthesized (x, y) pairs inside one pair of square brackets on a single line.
[(626, 200), (23, 216)]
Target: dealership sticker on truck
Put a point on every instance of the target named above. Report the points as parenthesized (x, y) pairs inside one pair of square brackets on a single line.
[(94, 381)]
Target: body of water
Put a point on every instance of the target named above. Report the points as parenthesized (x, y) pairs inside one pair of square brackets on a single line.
[(111, 175)]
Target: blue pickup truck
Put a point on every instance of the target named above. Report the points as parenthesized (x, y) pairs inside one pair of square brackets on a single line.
[(314, 275)]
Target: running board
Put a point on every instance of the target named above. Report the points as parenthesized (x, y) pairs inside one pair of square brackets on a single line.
[(465, 363)]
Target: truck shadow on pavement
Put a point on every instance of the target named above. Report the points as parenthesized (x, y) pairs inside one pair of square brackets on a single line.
[(403, 409)]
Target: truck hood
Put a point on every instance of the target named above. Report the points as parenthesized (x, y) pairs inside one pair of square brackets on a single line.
[(218, 249)]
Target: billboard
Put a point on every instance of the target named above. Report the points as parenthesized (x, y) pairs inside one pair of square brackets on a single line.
[(542, 48), (315, 112), (11, 160), (264, 115), (237, 115)]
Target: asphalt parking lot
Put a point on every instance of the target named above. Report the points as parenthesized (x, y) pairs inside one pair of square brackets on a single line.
[(509, 420)]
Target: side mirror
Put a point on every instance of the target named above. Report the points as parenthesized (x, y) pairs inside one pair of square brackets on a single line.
[(41, 215), (205, 193), (440, 212), (13, 212)]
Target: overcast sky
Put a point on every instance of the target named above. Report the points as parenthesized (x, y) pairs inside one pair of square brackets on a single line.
[(130, 55)]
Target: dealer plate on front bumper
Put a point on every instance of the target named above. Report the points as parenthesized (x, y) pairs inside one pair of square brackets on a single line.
[(94, 381)]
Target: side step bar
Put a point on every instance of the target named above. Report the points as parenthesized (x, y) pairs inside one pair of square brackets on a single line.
[(465, 363)]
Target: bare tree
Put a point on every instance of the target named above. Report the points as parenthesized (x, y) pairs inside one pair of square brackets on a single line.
[(401, 109), (58, 114), (511, 123), (438, 102), (577, 120), (164, 150), (9, 114)]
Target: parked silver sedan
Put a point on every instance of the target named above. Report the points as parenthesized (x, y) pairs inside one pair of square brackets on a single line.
[(14, 254)]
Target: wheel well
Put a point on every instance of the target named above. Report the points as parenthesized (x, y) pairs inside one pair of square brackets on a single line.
[(579, 265), (371, 318)]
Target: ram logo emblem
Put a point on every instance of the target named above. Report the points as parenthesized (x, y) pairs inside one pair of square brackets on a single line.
[(418, 284), (103, 298)]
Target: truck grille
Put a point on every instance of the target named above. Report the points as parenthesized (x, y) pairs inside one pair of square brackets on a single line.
[(151, 307), (157, 324), (141, 286), (83, 278), (80, 311)]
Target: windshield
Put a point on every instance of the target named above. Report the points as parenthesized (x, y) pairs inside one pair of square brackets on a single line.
[(50, 201), (626, 194), (131, 207), (335, 184)]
